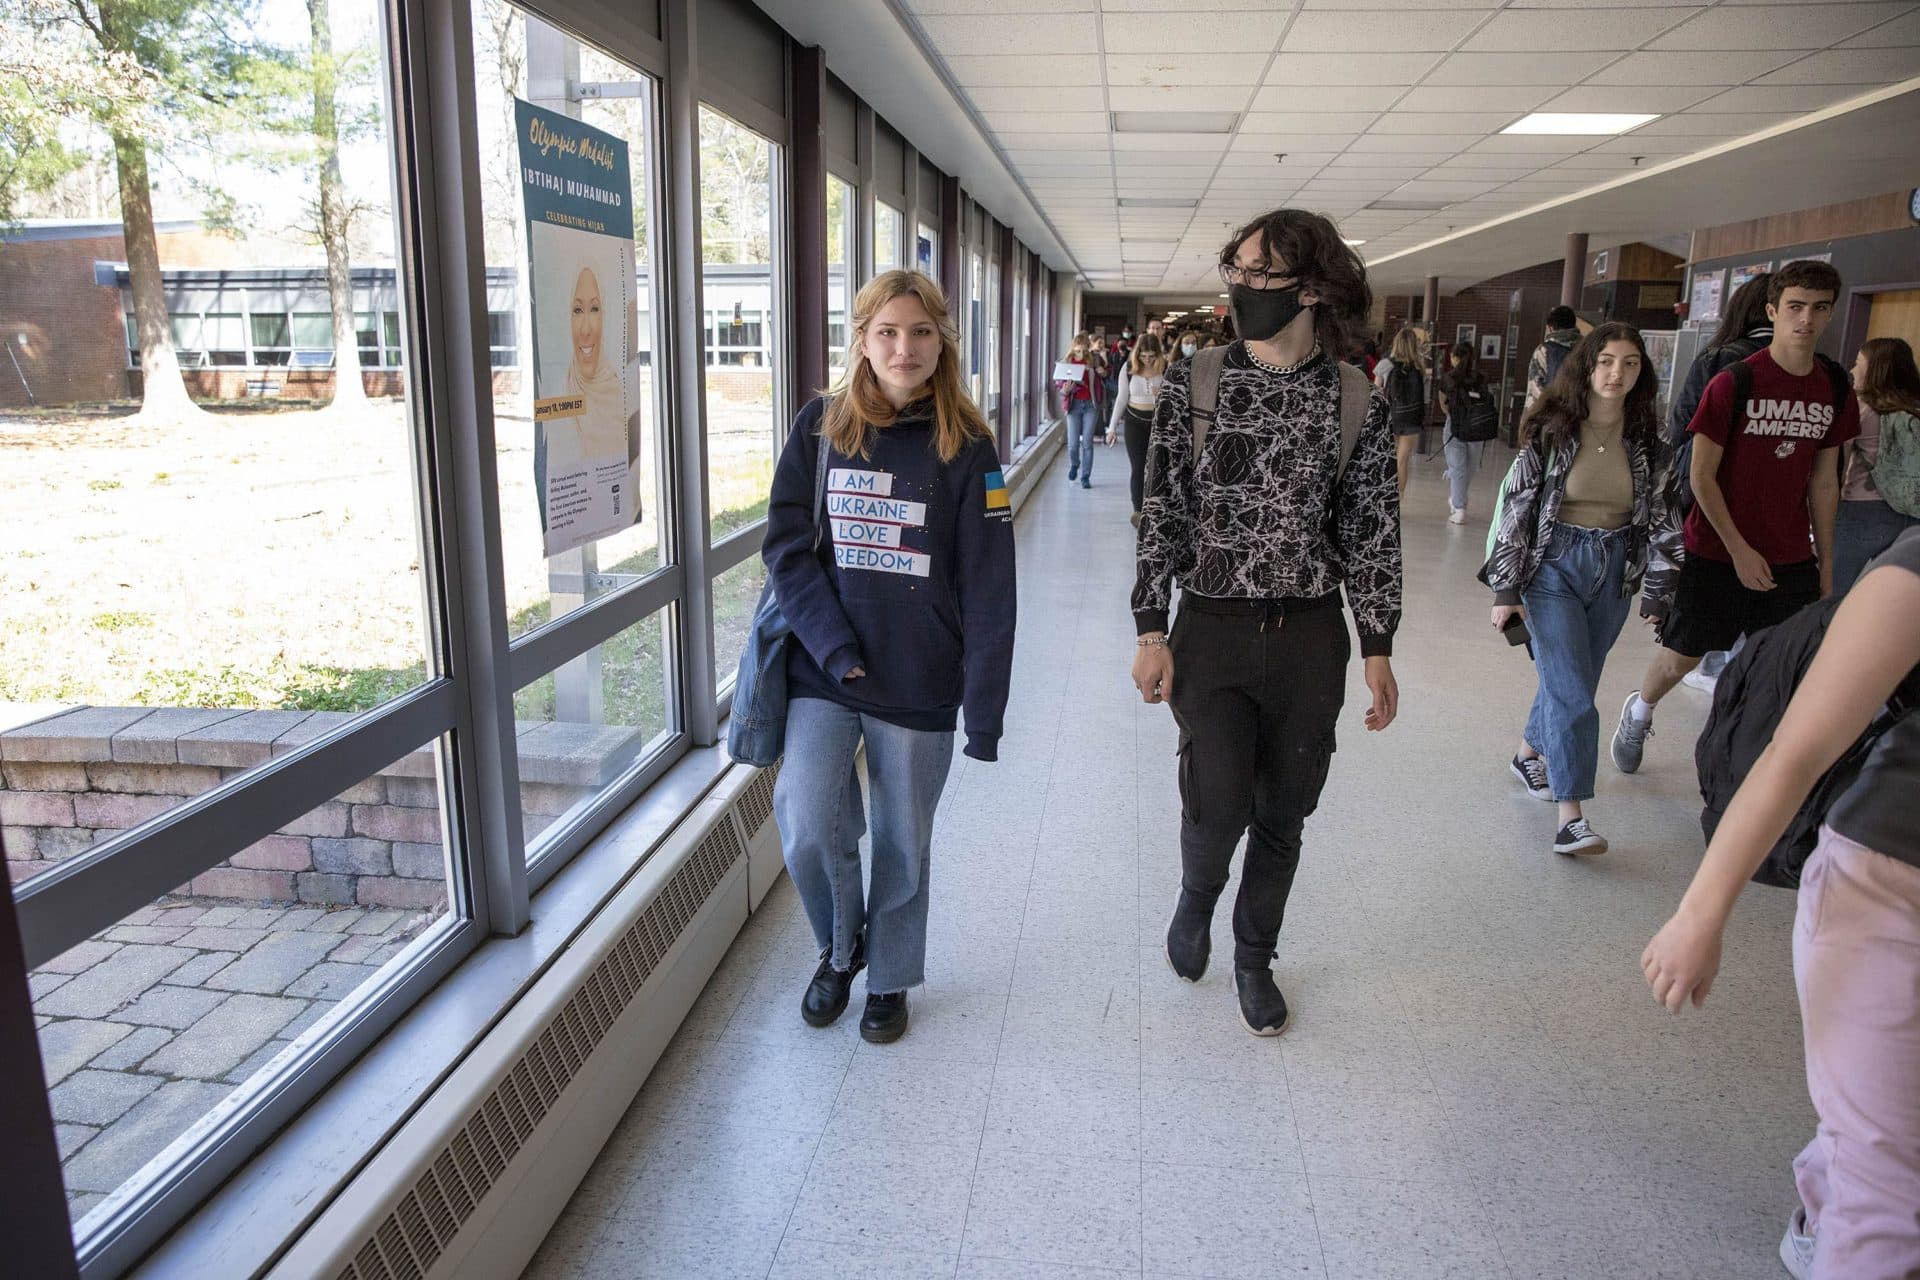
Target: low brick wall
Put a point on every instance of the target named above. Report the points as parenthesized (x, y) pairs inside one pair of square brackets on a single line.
[(74, 778)]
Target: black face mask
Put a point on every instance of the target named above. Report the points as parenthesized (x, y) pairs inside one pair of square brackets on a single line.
[(1259, 314)]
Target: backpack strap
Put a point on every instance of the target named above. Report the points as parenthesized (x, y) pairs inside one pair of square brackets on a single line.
[(1356, 398), (1742, 391), (1204, 393), (1842, 383), (820, 451)]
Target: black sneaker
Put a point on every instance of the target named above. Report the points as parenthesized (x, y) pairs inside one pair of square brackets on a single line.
[(1262, 1007), (826, 997), (1189, 938), (1533, 776), (885, 1019), (1577, 837)]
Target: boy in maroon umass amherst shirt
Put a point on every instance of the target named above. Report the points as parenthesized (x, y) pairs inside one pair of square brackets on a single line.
[(1766, 484)]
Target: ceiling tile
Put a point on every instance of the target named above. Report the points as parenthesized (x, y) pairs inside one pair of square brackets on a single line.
[(1516, 98), (1777, 26), (1291, 69), (1029, 122), (1862, 68), (1555, 68), (1142, 69), (1780, 97), (1060, 33), (1690, 68), (1295, 123), (1388, 30), (1711, 124), (1002, 6), (1025, 70), (1465, 171), (1438, 146), (1596, 27), (1196, 98), (1190, 32), (1475, 122), (1359, 97), (1901, 31), (1528, 143), (1037, 98), (1198, 146), (1635, 144), (1643, 98)]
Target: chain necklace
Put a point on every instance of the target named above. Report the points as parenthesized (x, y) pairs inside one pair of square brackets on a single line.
[(1295, 367)]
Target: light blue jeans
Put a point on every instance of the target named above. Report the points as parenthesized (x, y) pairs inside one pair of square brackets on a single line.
[(817, 804), (1081, 416), (1463, 459), (1575, 610)]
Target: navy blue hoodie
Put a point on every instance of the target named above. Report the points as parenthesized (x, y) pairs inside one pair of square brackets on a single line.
[(913, 580)]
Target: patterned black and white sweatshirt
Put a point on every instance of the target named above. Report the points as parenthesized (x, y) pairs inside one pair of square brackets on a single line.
[(1256, 516)]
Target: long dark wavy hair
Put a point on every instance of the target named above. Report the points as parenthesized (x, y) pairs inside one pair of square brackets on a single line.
[(1310, 246), (1562, 409)]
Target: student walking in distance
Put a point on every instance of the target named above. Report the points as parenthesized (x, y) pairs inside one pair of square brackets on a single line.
[(1766, 486), (1133, 412), (1473, 418), (1880, 498), (1563, 335), (1079, 397), (1270, 485), (1405, 381), (1580, 510), (903, 606), (1856, 938)]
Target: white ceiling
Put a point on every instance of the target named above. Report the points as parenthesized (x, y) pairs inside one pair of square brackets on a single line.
[(1368, 101)]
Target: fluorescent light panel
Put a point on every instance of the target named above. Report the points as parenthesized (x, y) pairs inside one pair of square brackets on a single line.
[(1579, 122), (1175, 121)]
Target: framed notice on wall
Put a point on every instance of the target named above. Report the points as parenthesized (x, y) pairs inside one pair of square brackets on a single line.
[(1707, 287), (1463, 333), (1743, 274), (1490, 347)]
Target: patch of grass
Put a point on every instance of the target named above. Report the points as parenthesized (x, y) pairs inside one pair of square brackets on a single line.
[(103, 486), (338, 689), (122, 620)]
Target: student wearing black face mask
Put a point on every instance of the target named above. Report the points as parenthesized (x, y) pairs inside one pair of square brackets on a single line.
[(1281, 494)]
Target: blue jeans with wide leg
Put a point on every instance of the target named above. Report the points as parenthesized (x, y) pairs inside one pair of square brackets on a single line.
[(1081, 416), (817, 804), (1575, 609)]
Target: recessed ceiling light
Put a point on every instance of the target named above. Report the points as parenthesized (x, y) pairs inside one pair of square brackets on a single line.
[(1175, 121), (1579, 122), (1352, 243)]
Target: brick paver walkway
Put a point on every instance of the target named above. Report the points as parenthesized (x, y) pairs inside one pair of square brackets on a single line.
[(146, 1027)]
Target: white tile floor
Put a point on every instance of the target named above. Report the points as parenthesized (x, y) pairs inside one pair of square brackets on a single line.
[(1476, 1083)]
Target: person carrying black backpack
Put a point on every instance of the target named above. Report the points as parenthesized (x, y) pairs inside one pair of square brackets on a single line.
[(1403, 376), (1473, 418), (1563, 335), (1856, 937)]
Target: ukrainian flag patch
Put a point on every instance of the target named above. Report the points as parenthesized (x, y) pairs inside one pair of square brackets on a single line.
[(999, 501)]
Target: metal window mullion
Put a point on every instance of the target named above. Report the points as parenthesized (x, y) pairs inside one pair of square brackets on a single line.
[(739, 547), (434, 86), (866, 137), (68, 904), (594, 624), (687, 389)]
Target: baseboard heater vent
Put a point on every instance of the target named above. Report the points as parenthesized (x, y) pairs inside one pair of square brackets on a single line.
[(424, 1225)]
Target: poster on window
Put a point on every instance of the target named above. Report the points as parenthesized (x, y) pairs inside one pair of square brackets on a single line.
[(1705, 305), (578, 191)]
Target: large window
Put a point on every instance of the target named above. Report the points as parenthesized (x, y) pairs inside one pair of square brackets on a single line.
[(889, 237), (840, 270), (976, 335), (739, 200), (926, 251)]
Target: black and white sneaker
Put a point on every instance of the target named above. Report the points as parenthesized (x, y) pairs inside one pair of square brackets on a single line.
[(1533, 776), (1578, 837)]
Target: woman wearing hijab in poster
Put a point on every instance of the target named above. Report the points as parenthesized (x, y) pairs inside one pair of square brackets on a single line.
[(594, 442)]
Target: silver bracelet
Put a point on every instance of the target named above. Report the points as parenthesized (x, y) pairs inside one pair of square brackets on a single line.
[(1150, 642)]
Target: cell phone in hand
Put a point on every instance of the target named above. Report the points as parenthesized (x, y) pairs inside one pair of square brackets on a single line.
[(1515, 630)]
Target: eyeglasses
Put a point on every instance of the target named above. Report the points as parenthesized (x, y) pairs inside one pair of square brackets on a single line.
[(1232, 273)]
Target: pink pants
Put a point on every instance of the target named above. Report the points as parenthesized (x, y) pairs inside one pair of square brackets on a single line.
[(1856, 962)]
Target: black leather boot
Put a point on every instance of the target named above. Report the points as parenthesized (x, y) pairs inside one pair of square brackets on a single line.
[(1190, 937), (885, 1019), (826, 997), (1262, 1007)]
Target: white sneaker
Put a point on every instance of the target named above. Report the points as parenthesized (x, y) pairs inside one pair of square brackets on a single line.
[(1796, 1247), (1698, 679), (1456, 515)]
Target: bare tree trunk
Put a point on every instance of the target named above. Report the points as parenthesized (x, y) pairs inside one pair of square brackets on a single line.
[(163, 390), (336, 218)]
